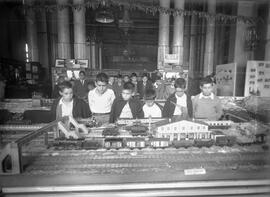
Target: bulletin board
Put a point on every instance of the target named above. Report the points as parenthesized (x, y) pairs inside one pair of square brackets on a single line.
[(257, 78), (226, 79)]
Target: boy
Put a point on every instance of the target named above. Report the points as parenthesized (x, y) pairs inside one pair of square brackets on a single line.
[(110, 82), (68, 105), (179, 105), (134, 80), (101, 98), (144, 85), (170, 89), (206, 105), (80, 86), (150, 108), (126, 106), (159, 87)]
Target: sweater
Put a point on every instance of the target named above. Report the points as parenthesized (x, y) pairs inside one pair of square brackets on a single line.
[(118, 105), (80, 109), (207, 108), (169, 107)]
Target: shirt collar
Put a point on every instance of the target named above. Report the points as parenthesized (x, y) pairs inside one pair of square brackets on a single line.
[(62, 103), (211, 96), (182, 97)]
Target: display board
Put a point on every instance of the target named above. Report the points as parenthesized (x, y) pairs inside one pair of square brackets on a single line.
[(257, 78), (226, 79)]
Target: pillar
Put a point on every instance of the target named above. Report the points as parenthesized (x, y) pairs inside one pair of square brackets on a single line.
[(43, 41), (93, 54), (192, 52), (79, 31), (100, 56), (64, 51), (178, 31), (31, 34), (163, 36), (245, 8), (267, 45), (210, 38), (52, 36), (186, 40)]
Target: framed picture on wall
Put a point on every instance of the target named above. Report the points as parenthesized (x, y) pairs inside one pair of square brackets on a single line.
[(83, 63)]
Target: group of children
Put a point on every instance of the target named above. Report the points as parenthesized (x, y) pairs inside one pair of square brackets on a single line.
[(108, 105)]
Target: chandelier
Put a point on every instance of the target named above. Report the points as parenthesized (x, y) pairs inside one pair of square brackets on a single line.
[(104, 14)]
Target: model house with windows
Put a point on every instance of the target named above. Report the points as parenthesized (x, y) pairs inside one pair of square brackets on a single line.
[(183, 130)]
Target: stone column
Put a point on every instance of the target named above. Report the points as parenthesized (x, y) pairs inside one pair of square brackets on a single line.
[(267, 45), (52, 37), (163, 37), (193, 44), (93, 54), (210, 37), (186, 40), (178, 31), (64, 51), (43, 41), (79, 31), (31, 34), (100, 56)]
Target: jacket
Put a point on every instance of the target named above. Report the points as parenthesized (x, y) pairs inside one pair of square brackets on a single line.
[(118, 105), (169, 107), (79, 89), (141, 88), (80, 109)]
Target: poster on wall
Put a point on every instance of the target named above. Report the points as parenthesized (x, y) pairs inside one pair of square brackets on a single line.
[(257, 78), (226, 79)]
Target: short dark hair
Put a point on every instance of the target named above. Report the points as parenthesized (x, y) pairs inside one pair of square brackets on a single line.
[(145, 75), (180, 83), (133, 75), (65, 85), (129, 86), (206, 80), (119, 76), (82, 72), (102, 77), (92, 83), (150, 94)]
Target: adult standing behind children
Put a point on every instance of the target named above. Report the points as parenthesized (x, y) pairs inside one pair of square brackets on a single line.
[(118, 86), (207, 105), (101, 99), (126, 106), (80, 86), (69, 105), (179, 105), (144, 85)]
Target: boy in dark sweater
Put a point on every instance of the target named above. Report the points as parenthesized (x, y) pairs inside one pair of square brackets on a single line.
[(126, 106), (206, 105), (69, 105), (179, 105)]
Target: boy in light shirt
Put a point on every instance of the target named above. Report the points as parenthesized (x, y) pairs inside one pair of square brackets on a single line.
[(101, 99), (151, 108), (126, 106)]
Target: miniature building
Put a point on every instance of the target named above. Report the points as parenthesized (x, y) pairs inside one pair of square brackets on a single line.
[(183, 130)]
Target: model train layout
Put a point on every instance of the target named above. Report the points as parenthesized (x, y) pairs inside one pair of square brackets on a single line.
[(163, 133)]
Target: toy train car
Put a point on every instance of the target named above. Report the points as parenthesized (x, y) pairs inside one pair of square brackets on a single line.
[(221, 139), (222, 124), (135, 143), (159, 142), (114, 143)]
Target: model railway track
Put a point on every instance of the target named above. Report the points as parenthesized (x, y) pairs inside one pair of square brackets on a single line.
[(227, 188), (68, 162)]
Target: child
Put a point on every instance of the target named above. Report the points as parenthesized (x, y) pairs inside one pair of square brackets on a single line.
[(159, 87), (110, 82), (126, 106), (101, 99), (68, 105), (150, 108), (134, 80), (206, 105), (170, 89), (179, 105)]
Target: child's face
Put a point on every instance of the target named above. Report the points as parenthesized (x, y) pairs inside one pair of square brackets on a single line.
[(207, 89), (179, 91), (67, 94), (126, 94), (133, 79), (111, 80), (149, 103), (126, 79), (144, 79), (101, 87), (119, 80)]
